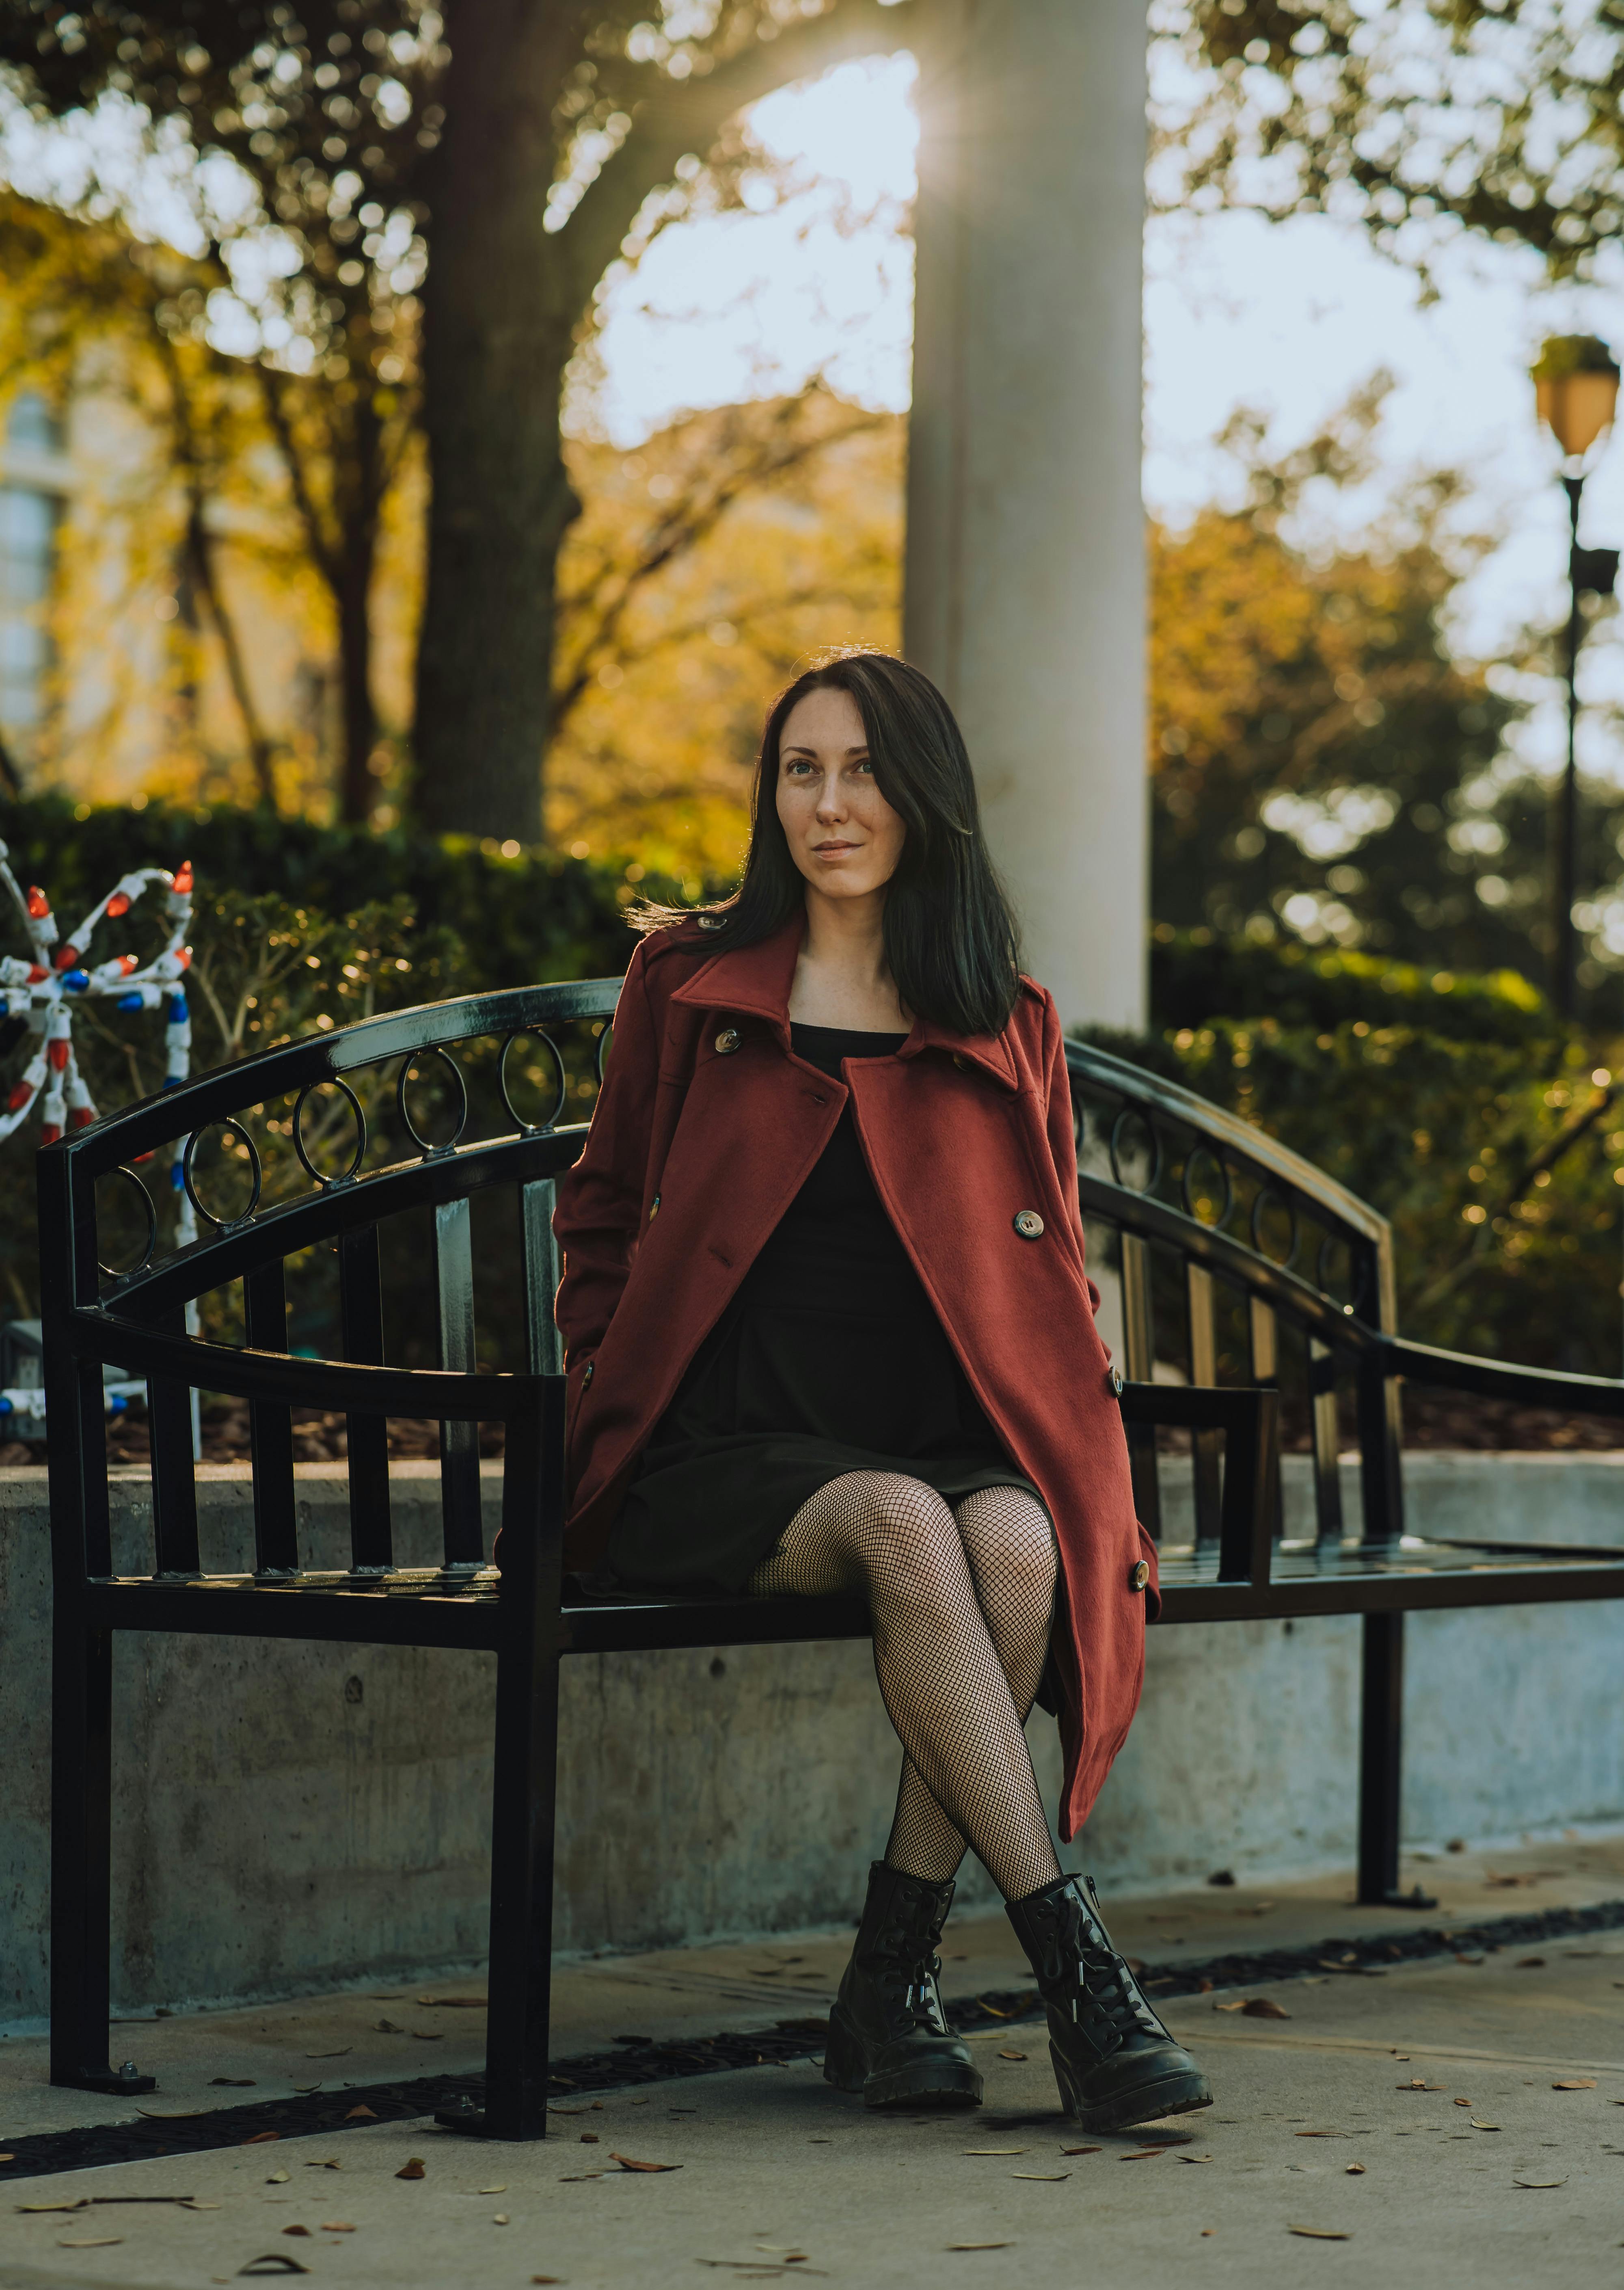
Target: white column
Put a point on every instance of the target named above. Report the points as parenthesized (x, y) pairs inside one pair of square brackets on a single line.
[(1025, 591)]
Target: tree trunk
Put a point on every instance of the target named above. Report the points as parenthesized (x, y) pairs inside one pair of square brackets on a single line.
[(357, 785), (499, 325)]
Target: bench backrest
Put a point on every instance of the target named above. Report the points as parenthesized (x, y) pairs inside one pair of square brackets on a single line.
[(297, 1230)]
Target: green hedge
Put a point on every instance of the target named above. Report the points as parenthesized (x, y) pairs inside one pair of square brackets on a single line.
[(1195, 977), (517, 920)]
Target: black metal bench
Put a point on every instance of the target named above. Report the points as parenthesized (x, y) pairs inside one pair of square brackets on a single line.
[(1181, 1199)]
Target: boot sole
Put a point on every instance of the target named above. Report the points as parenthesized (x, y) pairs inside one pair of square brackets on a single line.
[(939, 2083), (1147, 2103)]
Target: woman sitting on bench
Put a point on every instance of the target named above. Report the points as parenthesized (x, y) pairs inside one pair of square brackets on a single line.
[(829, 1330)]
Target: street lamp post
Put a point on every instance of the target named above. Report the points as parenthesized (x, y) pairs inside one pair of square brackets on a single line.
[(1576, 392)]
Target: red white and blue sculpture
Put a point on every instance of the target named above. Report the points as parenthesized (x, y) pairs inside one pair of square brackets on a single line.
[(43, 992)]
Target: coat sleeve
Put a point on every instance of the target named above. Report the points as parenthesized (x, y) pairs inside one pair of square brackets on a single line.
[(599, 1210), (1060, 1124)]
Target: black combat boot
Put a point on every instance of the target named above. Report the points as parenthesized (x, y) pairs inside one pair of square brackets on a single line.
[(1114, 2061), (888, 2035)]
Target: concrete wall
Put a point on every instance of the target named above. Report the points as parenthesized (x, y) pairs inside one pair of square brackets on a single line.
[(290, 1816)]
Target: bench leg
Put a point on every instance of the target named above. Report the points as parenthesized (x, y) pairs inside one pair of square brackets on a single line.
[(524, 1789), (81, 1875), (1382, 1722)]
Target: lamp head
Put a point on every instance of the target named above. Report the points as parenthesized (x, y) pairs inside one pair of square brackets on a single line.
[(1576, 390)]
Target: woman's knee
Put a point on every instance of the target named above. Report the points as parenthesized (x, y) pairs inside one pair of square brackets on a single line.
[(1007, 1535), (910, 1539)]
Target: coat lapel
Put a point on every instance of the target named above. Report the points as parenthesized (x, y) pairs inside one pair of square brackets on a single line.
[(755, 981)]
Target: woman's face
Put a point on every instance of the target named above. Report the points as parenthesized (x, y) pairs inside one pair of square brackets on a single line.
[(843, 835)]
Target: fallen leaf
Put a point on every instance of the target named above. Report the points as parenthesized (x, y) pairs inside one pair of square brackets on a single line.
[(978, 2246), (7, 2158), (1541, 2182), (412, 2169), (578, 2178), (235, 2083), (1264, 2007), (1321, 2233), (430, 2035), (1321, 2134), (547, 2277), (1082, 2151), (1195, 2158), (277, 2179), (1354, 2170), (337, 2226), (170, 2114), (1012, 2055), (501, 2189), (1576, 2083), (87, 2241), (453, 2003), (388, 2028), (1483, 2126), (79, 2203), (342, 2053), (1238, 2006), (260, 2137), (1416, 2084), (323, 2163), (275, 2261), (296, 2229), (628, 2163), (1467, 1959), (1529, 1963), (1049, 2178), (1008, 2151), (362, 2114), (500, 2218), (305, 2089), (1141, 2154), (588, 2139)]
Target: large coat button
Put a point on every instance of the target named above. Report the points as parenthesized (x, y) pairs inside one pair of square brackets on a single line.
[(653, 1208), (586, 1373), (728, 1041), (1028, 1224), (1140, 1576), (1118, 1381)]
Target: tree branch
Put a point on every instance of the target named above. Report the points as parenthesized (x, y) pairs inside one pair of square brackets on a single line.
[(680, 534), (685, 116)]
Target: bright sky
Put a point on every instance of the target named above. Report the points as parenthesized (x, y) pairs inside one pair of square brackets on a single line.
[(1287, 318)]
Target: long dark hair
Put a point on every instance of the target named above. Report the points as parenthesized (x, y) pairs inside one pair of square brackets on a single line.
[(950, 939)]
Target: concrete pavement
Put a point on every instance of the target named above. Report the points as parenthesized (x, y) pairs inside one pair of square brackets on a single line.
[(1443, 2081)]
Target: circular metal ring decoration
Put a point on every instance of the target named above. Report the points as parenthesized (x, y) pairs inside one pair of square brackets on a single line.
[(123, 1271), (532, 1034), (1202, 1152), (1132, 1113), (406, 1065), (208, 1215), (1321, 1272), (1265, 1194), (329, 1081)]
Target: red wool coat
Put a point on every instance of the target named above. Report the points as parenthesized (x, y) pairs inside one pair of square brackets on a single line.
[(706, 1128)]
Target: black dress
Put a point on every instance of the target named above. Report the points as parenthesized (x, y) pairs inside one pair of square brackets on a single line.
[(830, 1358)]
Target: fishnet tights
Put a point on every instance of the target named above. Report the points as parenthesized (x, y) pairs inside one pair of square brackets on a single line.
[(961, 1602)]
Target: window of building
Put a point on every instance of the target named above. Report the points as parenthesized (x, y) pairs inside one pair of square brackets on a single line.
[(28, 512)]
